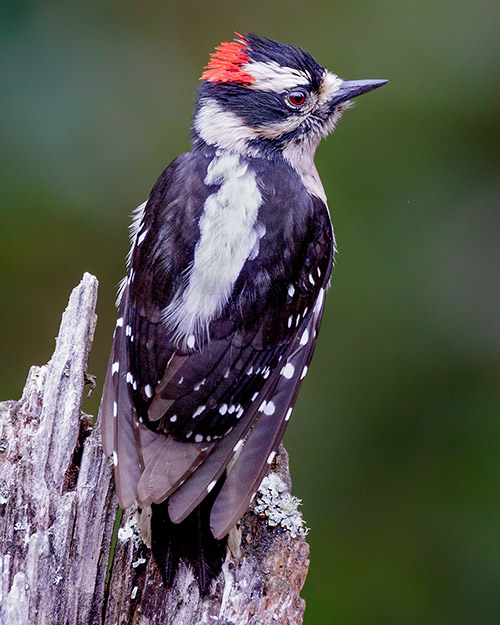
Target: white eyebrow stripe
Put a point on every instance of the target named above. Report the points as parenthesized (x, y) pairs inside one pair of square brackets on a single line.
[(274, 77)]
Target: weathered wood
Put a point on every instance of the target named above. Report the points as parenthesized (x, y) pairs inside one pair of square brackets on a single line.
[(259, 585), (55, 486), (57, 511)]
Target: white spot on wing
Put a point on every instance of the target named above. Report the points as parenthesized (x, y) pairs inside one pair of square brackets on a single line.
[(305, 337), (288, 414), (148, 390), (270, 408), (211, 486), (115, 459), (198, 438), (115, 409), (271, 457), (173, 418), (198, 386), (288, 370), (115, 367), (198, 411), (291, 290), (190, 341), (304, 373), (238, 445), (119, 322), (319, 301)]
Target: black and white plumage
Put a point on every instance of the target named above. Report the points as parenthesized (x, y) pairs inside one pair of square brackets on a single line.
[(218, 316)]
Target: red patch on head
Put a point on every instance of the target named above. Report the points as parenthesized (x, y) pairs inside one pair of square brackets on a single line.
[(226, 63)]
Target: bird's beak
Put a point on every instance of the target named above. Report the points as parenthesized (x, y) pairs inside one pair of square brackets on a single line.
[(352, 88)]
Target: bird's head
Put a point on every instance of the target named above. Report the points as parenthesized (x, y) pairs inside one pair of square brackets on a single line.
[(259, 96)]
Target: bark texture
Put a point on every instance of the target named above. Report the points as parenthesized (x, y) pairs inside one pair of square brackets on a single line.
[(58, 510), (55, 486)]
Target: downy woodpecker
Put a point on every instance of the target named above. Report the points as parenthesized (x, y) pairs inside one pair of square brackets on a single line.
[(218, 315)]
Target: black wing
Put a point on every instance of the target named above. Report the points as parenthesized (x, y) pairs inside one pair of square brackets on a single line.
[(216, 408)]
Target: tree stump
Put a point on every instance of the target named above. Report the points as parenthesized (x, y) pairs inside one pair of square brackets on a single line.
[(59, 562)]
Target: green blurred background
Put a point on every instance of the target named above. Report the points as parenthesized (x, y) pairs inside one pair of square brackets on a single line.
[(395, 439)]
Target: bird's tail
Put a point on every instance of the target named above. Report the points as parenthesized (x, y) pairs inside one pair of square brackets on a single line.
[(190, 541)]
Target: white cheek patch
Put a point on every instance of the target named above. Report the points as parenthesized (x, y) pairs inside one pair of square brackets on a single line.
[(228, 237), (223, 128), (273, 77)]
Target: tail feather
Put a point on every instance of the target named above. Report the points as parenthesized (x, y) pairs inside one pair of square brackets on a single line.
[(190, 541)]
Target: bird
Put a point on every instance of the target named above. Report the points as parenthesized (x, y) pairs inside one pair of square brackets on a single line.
[(219, 312)]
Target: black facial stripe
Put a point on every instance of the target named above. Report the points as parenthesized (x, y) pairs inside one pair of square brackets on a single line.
[(255, 108), (258, 108)]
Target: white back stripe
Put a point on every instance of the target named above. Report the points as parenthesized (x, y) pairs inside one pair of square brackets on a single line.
[(227, 238)]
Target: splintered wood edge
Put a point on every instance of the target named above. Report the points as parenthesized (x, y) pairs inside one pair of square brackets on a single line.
[(55, 494)]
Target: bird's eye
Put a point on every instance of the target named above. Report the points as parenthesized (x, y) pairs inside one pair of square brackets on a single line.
[(297, 97)]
